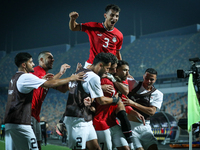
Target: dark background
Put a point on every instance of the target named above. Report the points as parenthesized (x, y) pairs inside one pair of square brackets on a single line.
[(31, 23)]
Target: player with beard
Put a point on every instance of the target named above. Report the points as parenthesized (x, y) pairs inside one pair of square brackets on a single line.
[(109, 133), (103, 37), (78, 116), (45, 60), (18, 108)]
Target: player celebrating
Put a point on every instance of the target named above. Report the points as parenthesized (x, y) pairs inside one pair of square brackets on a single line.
[(103, 37), (145, 99)]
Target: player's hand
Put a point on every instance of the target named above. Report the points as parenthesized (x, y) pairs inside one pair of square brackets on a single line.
[(127, 101), (48, 76), (78, 66), (78, 77), (73, 15), (130, 76), (138, 117), (63, 68), (107, 88), (87, 101)]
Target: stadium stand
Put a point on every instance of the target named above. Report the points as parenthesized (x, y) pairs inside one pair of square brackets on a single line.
[(165, 51)]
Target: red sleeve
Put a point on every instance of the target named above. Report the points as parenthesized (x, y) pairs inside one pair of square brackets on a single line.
[(87, 26), (125, 82), (109, 82), (128, 109)]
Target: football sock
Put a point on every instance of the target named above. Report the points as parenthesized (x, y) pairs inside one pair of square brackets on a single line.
[(125, 125)]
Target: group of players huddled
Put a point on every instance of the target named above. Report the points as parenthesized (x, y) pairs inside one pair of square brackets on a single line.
[(106, 107)]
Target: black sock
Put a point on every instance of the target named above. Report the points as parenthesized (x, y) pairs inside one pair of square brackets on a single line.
[(125, 125)]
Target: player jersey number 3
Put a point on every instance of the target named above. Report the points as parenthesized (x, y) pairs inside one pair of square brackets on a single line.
[(106, 42)]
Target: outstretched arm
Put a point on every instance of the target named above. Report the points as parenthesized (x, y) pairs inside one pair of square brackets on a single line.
[(63, 69), (73, 25), (147, 110), (58, 82)]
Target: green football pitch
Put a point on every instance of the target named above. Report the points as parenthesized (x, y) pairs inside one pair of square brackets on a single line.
[(48, 147)]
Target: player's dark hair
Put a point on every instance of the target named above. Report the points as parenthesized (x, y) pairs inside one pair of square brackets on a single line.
[(21, 58), (151, 71), (113, 58), (102, 57), (113, 7), (121, 63)]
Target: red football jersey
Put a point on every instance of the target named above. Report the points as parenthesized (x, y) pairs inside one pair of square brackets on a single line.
[(128, 108), (105, 116), (38, 94), (101, 39)]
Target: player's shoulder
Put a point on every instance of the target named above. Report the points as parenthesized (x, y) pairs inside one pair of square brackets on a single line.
[(118, 32), (92, 75), (158, 92), (39, 71), (93, 24)]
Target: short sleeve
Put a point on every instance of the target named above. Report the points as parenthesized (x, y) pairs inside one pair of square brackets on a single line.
[(156, 99), (27, 82), (94, 87)]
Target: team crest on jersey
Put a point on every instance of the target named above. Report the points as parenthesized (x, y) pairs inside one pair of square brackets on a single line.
[(114, 39)]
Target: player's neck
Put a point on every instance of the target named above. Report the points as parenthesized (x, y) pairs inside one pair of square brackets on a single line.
[(22, 70), (107, 27), (148, 88), (46, 70), (94, 69)]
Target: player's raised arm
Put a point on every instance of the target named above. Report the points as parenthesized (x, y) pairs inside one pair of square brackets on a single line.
[(73, 25)]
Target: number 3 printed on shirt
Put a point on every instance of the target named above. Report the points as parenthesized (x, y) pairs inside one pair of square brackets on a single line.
[(106, 42)]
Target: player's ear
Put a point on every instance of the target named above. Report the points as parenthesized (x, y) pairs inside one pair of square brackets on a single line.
[(23, 65), (105, 15), (101, 64), (41, 59)]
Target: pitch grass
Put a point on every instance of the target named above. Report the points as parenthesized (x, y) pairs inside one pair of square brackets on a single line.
[(48, 147)]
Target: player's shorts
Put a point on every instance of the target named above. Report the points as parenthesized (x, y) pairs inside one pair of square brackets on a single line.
[(110, 138), (79, 132), (142, 135), (36, 128), (22, 137), (87, 64)]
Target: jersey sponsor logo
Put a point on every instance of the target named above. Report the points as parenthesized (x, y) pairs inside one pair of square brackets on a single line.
[(114, 39), (99, 34)]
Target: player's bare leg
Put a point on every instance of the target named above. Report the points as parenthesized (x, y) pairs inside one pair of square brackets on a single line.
[(93, 145)]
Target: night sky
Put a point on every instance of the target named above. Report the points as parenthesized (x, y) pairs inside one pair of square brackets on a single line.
[(31, 23)]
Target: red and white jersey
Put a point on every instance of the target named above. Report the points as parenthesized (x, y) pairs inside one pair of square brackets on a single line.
[(101, 39), (105, 116), (38, 94)]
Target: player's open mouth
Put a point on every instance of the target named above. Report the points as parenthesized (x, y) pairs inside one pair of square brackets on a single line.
[(112, 22)]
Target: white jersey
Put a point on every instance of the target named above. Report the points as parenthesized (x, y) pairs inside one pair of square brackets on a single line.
[(27, 82), (92, 85), (156, 97), (142, 134)]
